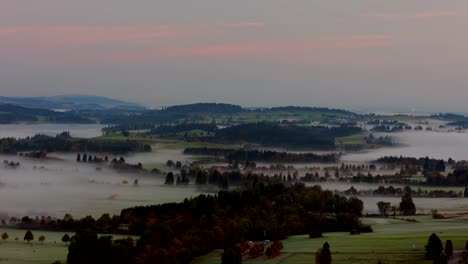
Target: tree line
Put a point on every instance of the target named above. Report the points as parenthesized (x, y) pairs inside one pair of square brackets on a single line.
[(64, 142), (232, 155)]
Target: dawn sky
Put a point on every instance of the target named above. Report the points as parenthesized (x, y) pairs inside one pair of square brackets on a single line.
[(407, 54)]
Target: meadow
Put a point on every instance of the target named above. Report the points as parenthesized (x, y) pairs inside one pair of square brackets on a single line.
[(393, 241)]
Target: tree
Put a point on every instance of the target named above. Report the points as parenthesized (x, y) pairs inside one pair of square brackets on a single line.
[(66, 239), (5, 236), (433, 247), (407, 206), (41, 239), (384, 208), (169, 178), (78, 157), (170, 164), (448, 248), (28, 236), (323, 255), (230, 256)]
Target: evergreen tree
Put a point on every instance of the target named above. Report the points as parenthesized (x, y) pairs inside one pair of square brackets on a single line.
[(448, 248), (28, 236), (434, 247), (169, 178)]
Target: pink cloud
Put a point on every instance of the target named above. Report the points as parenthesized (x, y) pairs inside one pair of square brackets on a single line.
[(409, 16), (281, 47), (133, 44), (246, 24), (52, 37)]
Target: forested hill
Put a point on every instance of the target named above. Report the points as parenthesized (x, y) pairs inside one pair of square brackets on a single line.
[(205, 108), (311, 109), (16, 114), (274, 135)]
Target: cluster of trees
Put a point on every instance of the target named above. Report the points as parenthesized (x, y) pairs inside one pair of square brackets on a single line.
[(271, 134), (64, 142), (204, 177), (398, 191), (283, 157), (90, 158), (423, 164), (103, 224), (382, 140), (435, 250), (406, 206), (11, 164)]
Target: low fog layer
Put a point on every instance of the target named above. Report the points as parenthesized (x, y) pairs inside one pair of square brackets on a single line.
[(439, 145), (39, 187)]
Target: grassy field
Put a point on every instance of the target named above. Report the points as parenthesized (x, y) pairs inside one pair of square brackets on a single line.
[(337, 258), (18, 251), (393, 241), (357, 140)]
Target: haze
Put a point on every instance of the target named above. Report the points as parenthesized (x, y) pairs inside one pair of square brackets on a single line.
[(405, 55)]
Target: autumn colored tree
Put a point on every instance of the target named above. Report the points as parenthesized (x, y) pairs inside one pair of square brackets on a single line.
[(323, 255), (41, 239), (5, 236)]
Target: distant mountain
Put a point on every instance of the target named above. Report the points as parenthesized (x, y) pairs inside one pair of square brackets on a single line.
[(70, 102)]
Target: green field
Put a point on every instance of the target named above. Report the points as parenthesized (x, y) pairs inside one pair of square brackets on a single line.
[(356, 141), (393, 241), (18, 251)]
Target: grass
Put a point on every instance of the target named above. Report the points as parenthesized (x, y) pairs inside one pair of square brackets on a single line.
[(357, 140), (20, 252), (337, 258), (393, 241)]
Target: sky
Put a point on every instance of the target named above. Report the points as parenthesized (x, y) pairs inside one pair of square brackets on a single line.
[(398, 55)]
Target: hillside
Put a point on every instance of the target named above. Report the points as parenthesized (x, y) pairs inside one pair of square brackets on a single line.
[(69, 102), (16, 114)]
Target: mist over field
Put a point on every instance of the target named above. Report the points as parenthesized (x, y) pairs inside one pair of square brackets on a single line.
[(54, 188)]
